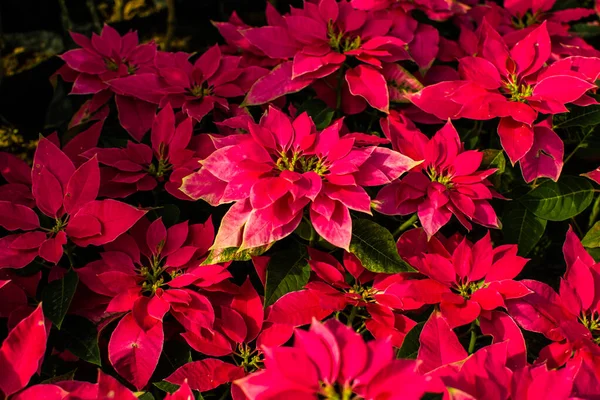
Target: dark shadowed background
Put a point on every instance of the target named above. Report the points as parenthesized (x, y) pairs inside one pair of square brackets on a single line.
[(33, 32)]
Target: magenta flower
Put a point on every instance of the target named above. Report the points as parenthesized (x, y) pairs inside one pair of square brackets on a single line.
[(570, 318), (512, 85), (195, 88), (446, 183), (320, 38), (464, 278), (102, 59), (333, 361), (380, 316), (145, 275), (283, 166), (68, 196), (105, 57), (139, 167)]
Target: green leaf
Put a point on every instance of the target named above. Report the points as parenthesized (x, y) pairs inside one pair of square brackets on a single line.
[(318, 111), (592, 238), (287, 271), (493, 158), (375, 247), (57, 297), (520, 226), (585, 30), (81, 338), (233, 254), (146, 396), (60, 378), (578, 116), (559, 201), (166, 387), (411, 344)]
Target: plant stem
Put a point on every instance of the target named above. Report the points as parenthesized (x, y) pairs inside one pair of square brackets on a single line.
[(579, 145), (473, 339), (406, 224), (352, 316), (595, 212)]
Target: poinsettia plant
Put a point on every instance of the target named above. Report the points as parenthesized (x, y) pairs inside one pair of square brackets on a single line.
[(355, 199)]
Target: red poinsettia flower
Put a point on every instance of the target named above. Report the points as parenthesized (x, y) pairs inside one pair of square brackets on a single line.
[(101, 59), (138, 167), (512, 84), (333, 361), (570, 318), (194, 87), (67, 196), (320, 38), (462, 277), (446, 183), (283, 166), (145, 275)]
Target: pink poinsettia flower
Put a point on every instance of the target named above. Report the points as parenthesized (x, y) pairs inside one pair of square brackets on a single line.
[(446, 183), (464, 278), (194, 87), (67, 196), (146, 275), (283, 166), (333, 361), (570, 318), (140, 167), (513, 85), (320, 38), (330, 285), (106, 57), (237, 44)]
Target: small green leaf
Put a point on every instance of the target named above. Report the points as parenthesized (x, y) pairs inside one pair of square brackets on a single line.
[(592, 238), (81, 338), (318, 111), (493, 158), (233, 254), (57, 297), (375, 247), (411, 344), (559, 201), (578, 116), (520, 226), (586, 30), (60, 378), (146, 396), (166, 387), (287, 271)]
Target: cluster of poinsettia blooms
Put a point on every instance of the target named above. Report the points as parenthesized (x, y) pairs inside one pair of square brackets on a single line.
[(343, 334)]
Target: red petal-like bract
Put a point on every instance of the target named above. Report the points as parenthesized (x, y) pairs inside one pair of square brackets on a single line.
[(206, 374), (22, 351), (134, 352)]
